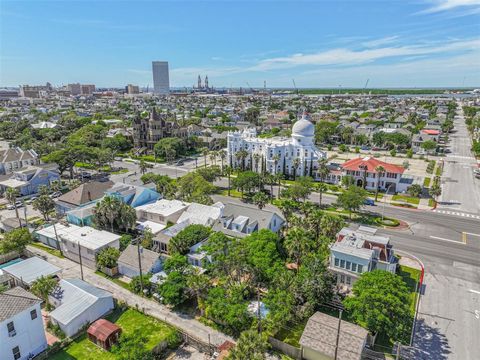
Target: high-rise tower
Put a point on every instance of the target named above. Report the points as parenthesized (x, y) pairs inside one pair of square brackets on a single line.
[(161, 79), (206, 82)]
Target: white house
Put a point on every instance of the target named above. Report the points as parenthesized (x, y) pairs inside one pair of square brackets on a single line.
[(297, 155), (25, 272), (76, 241), (358, 251), (78, 303), (162, 211), (128, 261), (22, 335)]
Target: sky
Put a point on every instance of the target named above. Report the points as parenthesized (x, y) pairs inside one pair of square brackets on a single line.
[(323, 43)]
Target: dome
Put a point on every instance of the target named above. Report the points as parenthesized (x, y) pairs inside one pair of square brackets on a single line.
[(304, 128)]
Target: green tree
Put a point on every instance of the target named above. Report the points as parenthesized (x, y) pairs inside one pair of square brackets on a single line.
[(330, 225), (42, 287), (381, 303), (246, 181), (143, 166), (11, 194), (415, 190), (194, 188), (210, 173), (107, 258), (198, 285), (15, 240), (352, 199), (429, 145), (435, 191), (185, 239), (380, 172), (44, 204), (147, 238), (170, 147), (137, 282), (321, 188), (260, 199), (174, 289), (125, 240), (298, 243), (251, 345), (280, 304), (325, 130)]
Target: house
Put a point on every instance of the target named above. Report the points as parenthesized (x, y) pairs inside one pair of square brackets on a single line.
[(319, 339), (78, 303), (162, 239), (22, 335), (240, 220), (365, 174), (162, 211), (202, 214), (28, 180), (128, 261), (14, 159), (358, 251), (82, 195), (133, 195), (76, 241), (24, 273), (424, 135)]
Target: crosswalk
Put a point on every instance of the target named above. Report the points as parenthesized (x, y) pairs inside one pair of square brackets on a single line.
[(457, 213)]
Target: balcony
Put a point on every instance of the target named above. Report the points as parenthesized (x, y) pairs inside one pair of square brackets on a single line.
[(12, 333)]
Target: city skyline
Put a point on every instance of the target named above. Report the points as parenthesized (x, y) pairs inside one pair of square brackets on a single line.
[(414, 44)]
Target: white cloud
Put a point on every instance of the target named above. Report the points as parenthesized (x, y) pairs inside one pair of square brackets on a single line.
[(445, 5), (378, 42)]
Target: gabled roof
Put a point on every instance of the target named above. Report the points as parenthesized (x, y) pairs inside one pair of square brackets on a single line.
[(31, 269), (102, 329), (75, 296), (14, 301), (129, 257), (86, 193), (369, 163)]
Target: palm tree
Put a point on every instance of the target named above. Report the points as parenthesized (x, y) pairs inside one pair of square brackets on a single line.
[(42, 287), (323, 169), (296, 164), (143, 166), (260, 199), (228, 171), (435, 191), (205, 153), (251, 345), (321, 187), (257, 158), (241, 155), (109, 208), (128, 217), (297, 243), (276, 159), (11, 195), (213, 157), (223, 155), (380, 170)]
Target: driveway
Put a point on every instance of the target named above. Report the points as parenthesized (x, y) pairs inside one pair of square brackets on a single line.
[(460, 189), (187, 324)]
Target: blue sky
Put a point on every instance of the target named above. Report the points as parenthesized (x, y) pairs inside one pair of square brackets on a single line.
[(331, 43)]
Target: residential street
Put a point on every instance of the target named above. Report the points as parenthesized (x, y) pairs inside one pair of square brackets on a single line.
[(460, 189), (190, 326)]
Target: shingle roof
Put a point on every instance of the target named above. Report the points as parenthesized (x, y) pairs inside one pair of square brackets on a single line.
[(86, 192), (129, 257), (14, 301), (320, 334)]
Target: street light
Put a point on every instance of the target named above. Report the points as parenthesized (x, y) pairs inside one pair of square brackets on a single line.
[(385, 200)]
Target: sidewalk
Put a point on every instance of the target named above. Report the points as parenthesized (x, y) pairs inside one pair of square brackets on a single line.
[(190, 326)]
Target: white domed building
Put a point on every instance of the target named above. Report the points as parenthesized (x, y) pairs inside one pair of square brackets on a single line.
[(276, 155)]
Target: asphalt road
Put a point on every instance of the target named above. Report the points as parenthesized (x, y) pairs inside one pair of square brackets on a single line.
[(460, 189)]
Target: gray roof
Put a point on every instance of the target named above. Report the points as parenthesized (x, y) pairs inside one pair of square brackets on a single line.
[(31, 269), (129, 257), (86, 193), (14, 301), (76, 296), (320, 334)]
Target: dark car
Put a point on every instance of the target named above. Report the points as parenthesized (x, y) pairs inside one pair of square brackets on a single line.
[(370, 202)]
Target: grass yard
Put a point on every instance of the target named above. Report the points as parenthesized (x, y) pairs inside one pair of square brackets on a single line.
[(292, 334), (411, 276), (132, 322), (115, 280), (48, 249), (407, 199), (426, 182)]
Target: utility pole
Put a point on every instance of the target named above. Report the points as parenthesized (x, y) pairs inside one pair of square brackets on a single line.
[(140, 263), (259, 315), (338, 333), (25, 213), (56, 235), (80, 257)]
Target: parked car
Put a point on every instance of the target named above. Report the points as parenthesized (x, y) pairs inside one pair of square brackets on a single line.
[(31, 200), (370, 202), (180, 163), (56, 194)]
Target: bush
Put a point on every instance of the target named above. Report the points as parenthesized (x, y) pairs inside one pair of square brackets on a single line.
[(55, 330), (387, 222)]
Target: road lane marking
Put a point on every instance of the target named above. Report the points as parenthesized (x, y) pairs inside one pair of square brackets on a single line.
[(449, 240), (474, 291), (471, 234), (464, 237)]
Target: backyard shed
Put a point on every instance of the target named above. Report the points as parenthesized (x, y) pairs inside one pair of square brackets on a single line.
[(104, 333)]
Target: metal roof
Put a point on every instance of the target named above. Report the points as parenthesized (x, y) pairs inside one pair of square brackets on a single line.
[(31, 269)]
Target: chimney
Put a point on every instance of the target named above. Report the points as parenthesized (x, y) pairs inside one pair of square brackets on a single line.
[(89, 195)]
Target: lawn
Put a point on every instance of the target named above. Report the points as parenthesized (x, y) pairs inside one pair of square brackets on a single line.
[(426, 182), (132, 322), (113, 279), (291, 334), (407, 199), (48, 249)]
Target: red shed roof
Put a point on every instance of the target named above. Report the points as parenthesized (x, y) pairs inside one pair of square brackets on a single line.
[(370, 163), (102, 329), (431, 132)]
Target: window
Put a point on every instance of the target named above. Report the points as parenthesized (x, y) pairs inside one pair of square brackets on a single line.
[(349, 280), (360, 268), (354, 267), (16, 352), (11, 329), (336, 262), (342, 263), (33, 314), (342, 279), (348, 265)]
